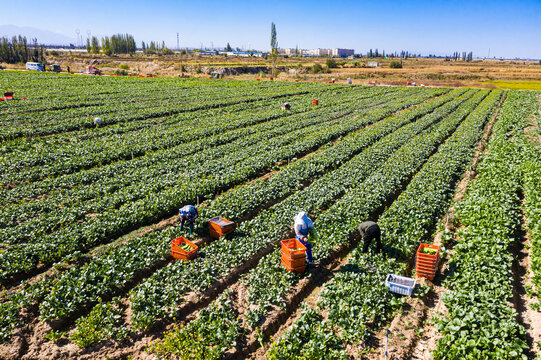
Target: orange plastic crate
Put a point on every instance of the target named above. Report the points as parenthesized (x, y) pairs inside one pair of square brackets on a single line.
[(299, 269), (219, 226), (428, 257), (293, 263), (428, 275), (181, 254), (293, 248), (429, 269)]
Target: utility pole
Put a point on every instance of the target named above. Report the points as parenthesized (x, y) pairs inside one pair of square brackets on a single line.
[(178, 42)]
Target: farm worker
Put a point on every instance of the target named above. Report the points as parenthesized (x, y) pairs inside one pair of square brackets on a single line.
[(188, 212), (287, 106), (97, 121), (370, 230), (303, 225)]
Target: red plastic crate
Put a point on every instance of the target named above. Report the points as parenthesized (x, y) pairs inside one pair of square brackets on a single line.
[(293, 263), (299, 269), (293, 248), (181, 254), (219, 226), (428, 257)]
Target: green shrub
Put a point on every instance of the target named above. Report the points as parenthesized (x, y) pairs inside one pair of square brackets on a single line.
[(124, 67), (395, 64), (331, 63)]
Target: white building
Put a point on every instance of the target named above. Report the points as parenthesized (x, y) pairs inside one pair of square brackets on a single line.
[(342, 52)]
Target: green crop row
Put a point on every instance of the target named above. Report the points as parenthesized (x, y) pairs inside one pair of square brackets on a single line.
[(54, 159), (532, 199), (202, 161), (157, 297), (138, 253), (87, 289), (480, 323), (268, 283), (141, 252), (156, 204), (247, 198), (356, 297)]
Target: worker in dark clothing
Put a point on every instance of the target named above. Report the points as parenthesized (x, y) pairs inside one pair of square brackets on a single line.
[(287, 106), (188, 212), (370, 230)]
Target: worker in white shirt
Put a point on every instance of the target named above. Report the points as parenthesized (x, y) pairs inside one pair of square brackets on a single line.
[(303, 225)]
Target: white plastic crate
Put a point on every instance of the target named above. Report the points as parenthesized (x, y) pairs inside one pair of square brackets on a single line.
[(400, 284)]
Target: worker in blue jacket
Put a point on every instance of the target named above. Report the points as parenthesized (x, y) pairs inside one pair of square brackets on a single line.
[(188, 212), (303, 225)]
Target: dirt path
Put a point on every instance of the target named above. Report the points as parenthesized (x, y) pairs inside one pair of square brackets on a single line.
[(522, 300), (522, 272)]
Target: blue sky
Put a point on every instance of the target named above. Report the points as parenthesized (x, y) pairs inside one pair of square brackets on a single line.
[(508, 28)]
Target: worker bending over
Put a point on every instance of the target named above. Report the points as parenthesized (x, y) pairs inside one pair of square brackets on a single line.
[(303, 225), (370, 230), (287, 106), (188, 212)]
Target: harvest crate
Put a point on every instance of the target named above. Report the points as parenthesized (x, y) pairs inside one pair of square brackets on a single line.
[(427, 264), (293, 248), (299, 269), (293, 255), (219, 226), (182, 254), (293, 263), (400, 284)]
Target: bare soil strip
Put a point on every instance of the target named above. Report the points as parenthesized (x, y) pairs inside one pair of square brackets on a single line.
[(522, 272), (522, 279)]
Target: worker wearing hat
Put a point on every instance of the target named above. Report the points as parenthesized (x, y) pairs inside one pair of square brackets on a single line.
[(303, 225), (287, 106), (188, 212), (97, 121), (369, 230)]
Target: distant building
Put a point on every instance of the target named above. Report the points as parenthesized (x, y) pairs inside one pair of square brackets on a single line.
[(372, 64), (321, 52), (342, 52)]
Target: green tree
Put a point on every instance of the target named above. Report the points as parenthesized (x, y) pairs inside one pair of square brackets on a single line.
[(95, 45), (88, 50), (106, 46), (228, 48), (274, 48)]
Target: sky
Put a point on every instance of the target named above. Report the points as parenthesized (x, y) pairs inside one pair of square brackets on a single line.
[(508, 28)]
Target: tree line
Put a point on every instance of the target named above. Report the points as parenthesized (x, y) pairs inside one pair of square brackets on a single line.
[(116, 44), (19, 50)]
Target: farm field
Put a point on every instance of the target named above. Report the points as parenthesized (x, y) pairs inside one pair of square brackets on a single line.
[(517, 85), (87, 215)]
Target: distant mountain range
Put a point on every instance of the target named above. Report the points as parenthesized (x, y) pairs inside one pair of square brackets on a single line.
[(45, 37)]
